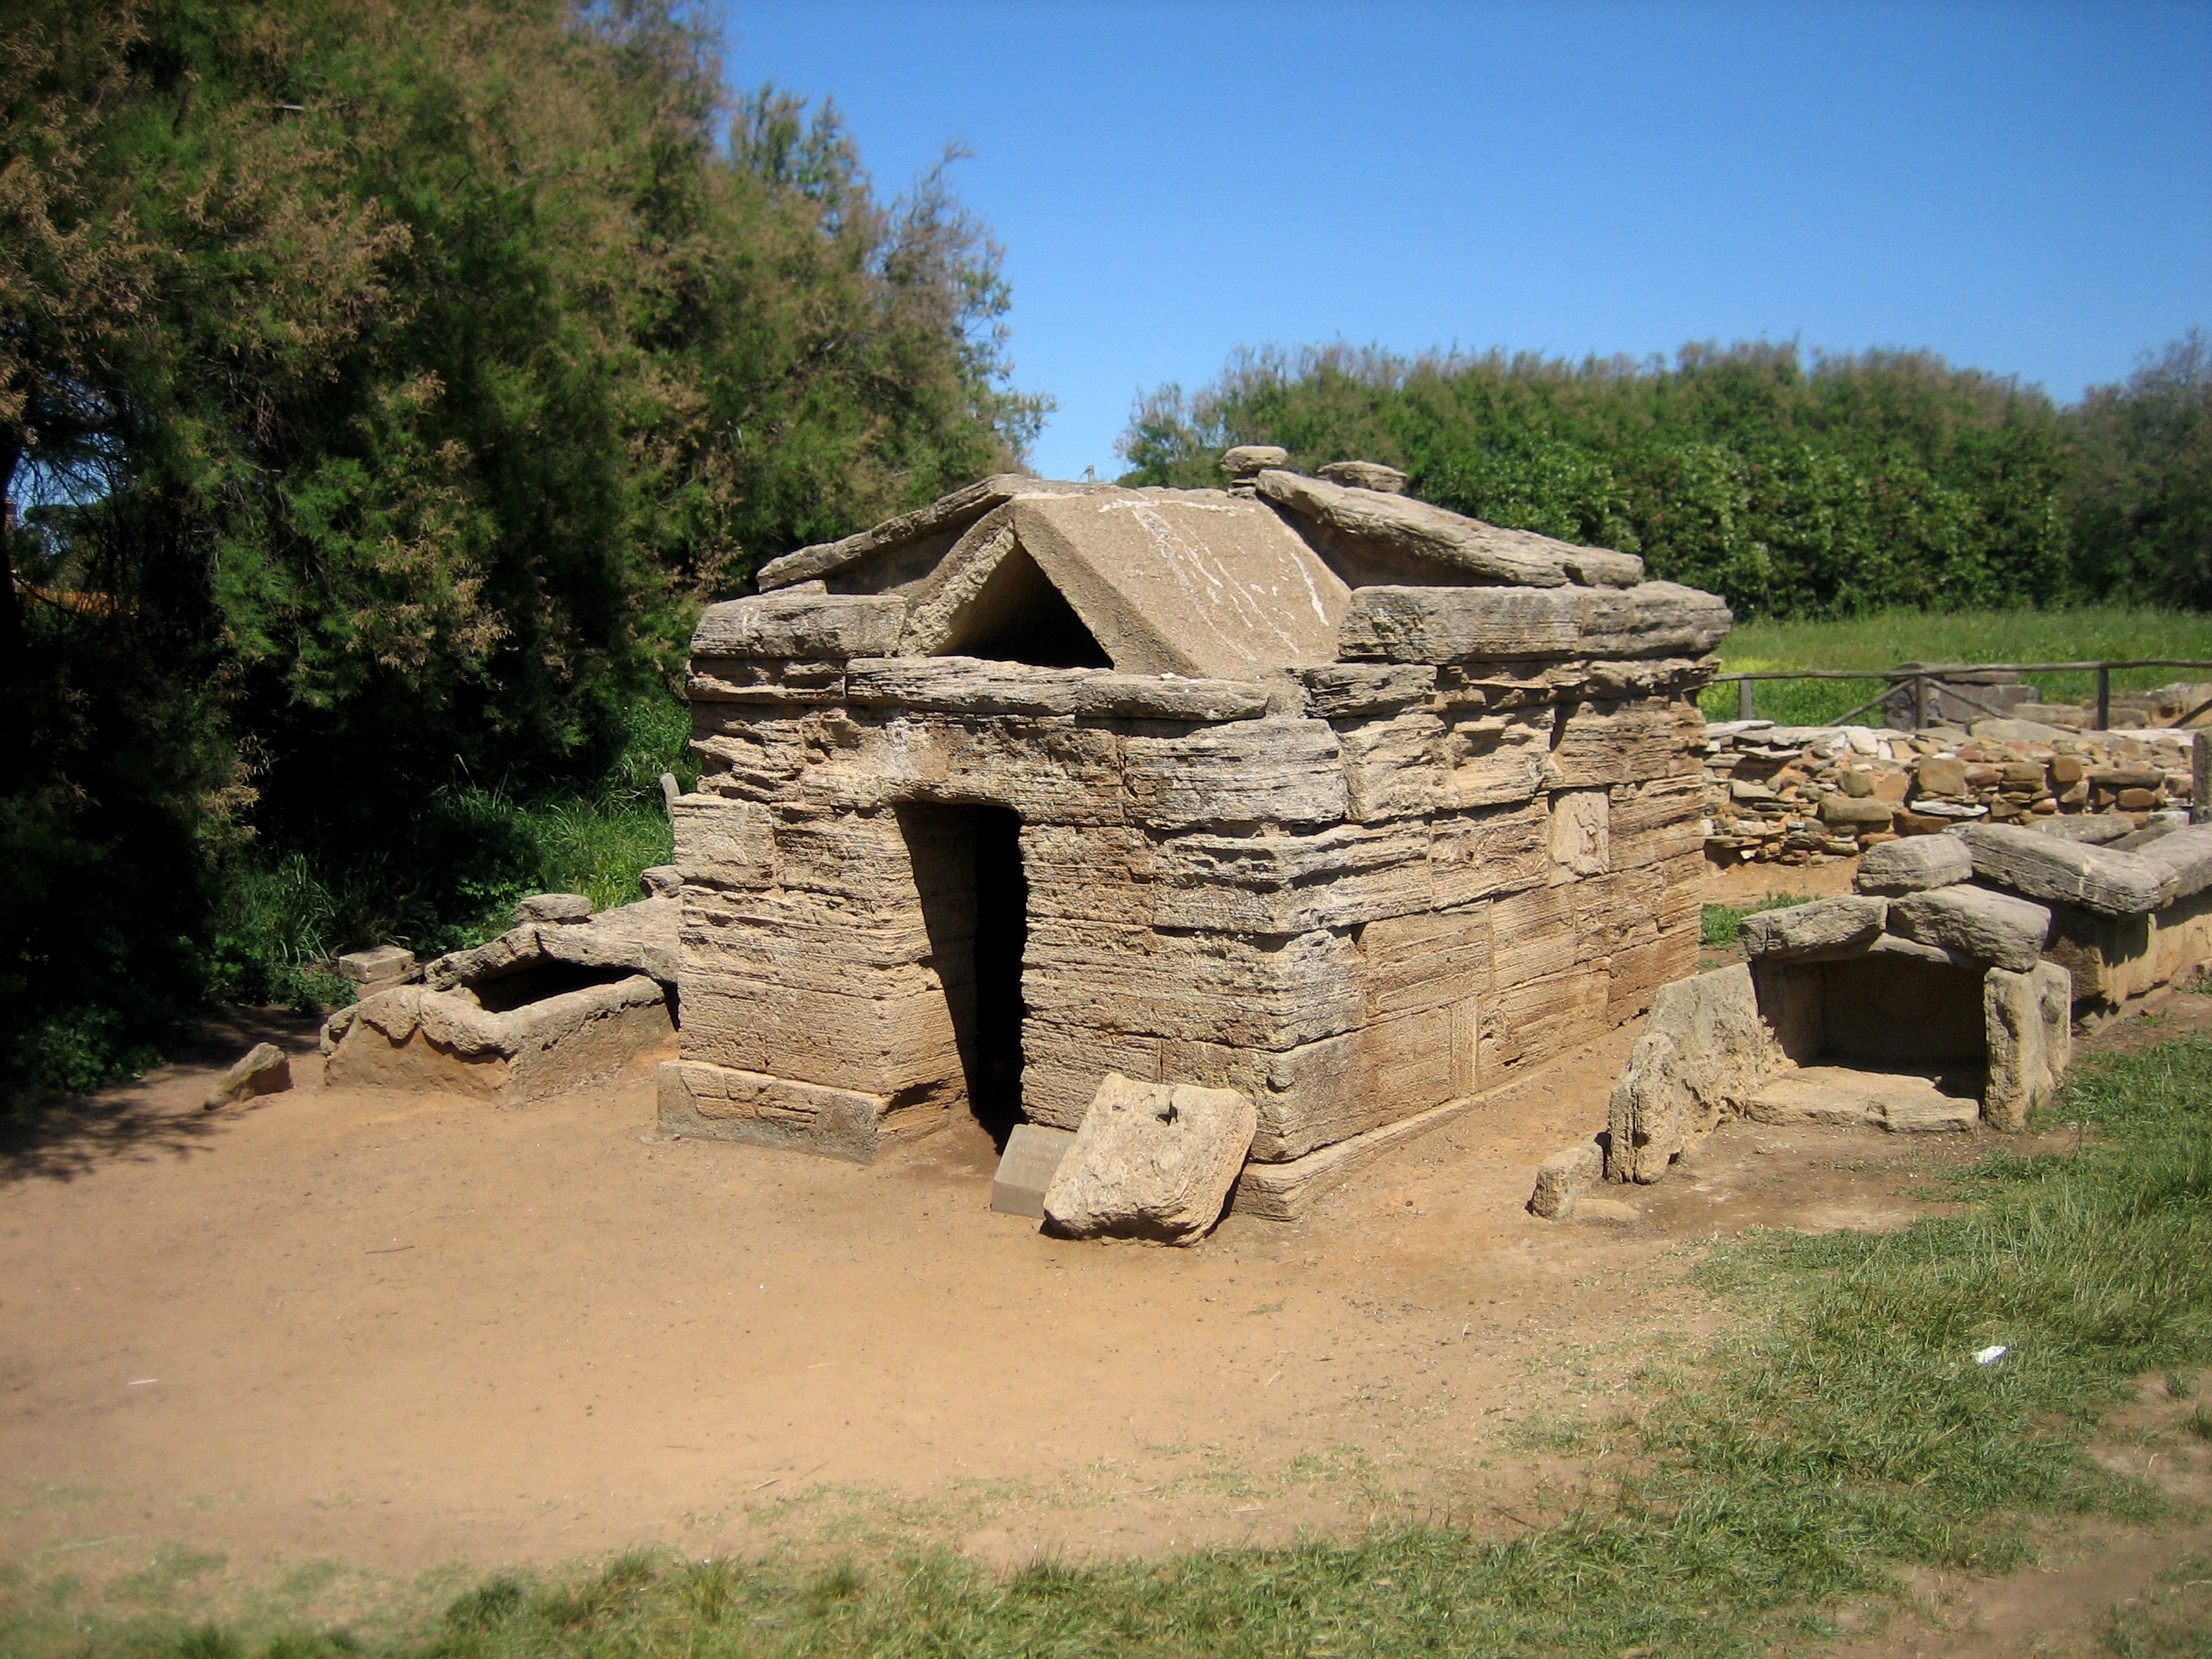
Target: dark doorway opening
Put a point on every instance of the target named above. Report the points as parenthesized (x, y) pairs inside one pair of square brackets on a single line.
[(975, 904)]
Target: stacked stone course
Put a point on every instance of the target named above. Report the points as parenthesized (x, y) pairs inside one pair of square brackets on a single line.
[(1793, 795), (1368, 808)]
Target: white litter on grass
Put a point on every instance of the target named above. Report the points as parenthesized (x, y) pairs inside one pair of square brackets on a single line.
[(1990, 1355)]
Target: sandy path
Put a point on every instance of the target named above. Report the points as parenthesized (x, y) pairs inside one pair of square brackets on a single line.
[(398, 1330)]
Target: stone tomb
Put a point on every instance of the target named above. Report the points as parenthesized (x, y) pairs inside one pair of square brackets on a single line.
[(1302, 789), (1943, 994)]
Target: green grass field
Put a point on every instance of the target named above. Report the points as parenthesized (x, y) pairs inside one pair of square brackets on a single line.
[(1843, 1432), (2088, 633)]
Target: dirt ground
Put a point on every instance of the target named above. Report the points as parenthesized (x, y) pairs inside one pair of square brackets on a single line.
[(398, 1331)]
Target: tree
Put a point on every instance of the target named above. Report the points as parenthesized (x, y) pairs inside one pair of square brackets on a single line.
[(394, 378), (2142, 495)]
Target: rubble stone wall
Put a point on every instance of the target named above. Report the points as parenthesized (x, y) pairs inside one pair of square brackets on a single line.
[(1794, 795)]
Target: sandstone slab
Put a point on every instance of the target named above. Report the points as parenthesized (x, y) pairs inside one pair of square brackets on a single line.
[(1150, 1161), (2062, 872), (1801, 929), (1898, 867), (1033, 1156), (1999, 928)]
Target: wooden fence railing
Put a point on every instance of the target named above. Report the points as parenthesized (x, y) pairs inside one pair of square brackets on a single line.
[(1920, 674)]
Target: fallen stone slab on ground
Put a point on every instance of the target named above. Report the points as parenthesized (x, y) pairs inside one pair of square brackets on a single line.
[(1150, 1161)]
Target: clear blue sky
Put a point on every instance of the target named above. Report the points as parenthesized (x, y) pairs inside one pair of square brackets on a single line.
[(2026, 189)]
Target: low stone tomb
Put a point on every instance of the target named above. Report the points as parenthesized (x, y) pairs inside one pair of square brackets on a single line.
[(1942, 995), (562, 1000)]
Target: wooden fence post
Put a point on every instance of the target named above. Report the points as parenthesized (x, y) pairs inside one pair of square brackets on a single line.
[(2104, 699), (1743, 699), (2200, 778)]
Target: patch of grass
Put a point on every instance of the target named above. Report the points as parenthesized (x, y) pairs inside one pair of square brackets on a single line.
[(1884, 639), (1846, 1431), (1717, 923), (2173, 1621)]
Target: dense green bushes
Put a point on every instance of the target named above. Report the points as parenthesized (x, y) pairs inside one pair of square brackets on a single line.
[(1796, 490), (384, 384)]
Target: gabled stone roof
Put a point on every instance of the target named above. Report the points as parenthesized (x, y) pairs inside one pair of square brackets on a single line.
[(1236, 584)]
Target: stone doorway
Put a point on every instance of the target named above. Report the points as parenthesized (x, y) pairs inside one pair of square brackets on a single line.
[(975, 904)]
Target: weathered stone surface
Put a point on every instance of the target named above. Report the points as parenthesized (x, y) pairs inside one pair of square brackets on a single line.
[(1941, 775), (1912, 866), (1151, 1161), (1999, 928), (1703, 1047), (1826, 925), (1285, 771), (2065, 873), (1364, 475), (1026, 1168), (640, 937), (1582, 834), (262, 1070), (1848, 811), (1184, 582), (766, 681), (382, 965), (1338, 691), (444, 1042), (2031, 1040), (553, 908), (1460, 624), (721, 843), (2181, 861), (1247, 461), (943, 518), (661, 881), (967, 685), (1393, 524), (719, 1103), (1562, 1178), (828, 627)]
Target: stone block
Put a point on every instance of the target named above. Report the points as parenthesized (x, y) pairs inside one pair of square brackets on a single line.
[(1026, 1168), (1704, 1045), (2031, 1040), (2063, 872), (968, 686), (1463, 624), (553, 908), (1848, 811), (1383, 525), (1393, 767), (1941, 775), (1999, 928), (1582, 834), (818, 627), (1897, 867), (1274, 771), (2181, 861), (766, 682), (1338, 691), (262, 1070), (382, 966), (1493, 760), (1803, 929), (1151, 1161), (719, 1103), (1562, 1178)]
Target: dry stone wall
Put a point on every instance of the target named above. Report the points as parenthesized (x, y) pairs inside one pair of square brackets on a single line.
[(1789, 795)]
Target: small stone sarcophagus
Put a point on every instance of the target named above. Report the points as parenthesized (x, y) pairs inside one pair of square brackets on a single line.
[(1303, 788)]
